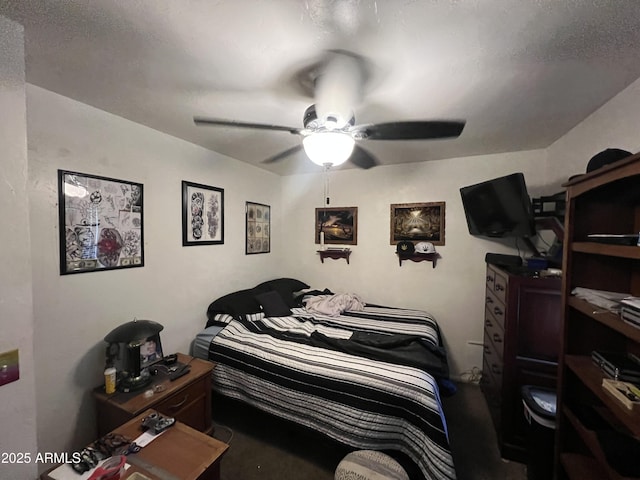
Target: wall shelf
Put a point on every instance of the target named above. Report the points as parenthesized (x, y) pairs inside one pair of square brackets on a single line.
[(335, 254), (419, 257)]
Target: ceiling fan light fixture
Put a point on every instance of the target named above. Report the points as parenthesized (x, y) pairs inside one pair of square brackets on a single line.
[(331, 147)]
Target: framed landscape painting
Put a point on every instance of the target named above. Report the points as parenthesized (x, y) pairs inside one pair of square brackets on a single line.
[(100, 222), (258, 228), (202, 214), (417, 222), (337, 225)]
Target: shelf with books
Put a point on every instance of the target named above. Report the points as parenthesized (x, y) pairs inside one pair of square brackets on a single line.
[(610, 319), (605, 201), (591, 376)]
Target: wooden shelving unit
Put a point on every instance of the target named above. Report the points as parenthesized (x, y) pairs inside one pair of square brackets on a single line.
[(604, 201)]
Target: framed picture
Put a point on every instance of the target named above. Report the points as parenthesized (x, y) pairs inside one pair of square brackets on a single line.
[(202, 214), (100, 223), (258, 224), (417, 222), (337, 225), (150, 351)]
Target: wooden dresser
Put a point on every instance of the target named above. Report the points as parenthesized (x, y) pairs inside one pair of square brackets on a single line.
[(187, 399), (522, 327)]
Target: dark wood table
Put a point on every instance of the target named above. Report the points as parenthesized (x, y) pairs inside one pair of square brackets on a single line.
[(179, 453)]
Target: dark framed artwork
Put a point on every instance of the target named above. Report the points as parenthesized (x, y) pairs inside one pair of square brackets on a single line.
[(258, 228), (417, 222), (337, 225), (202, 214), (101, 223)]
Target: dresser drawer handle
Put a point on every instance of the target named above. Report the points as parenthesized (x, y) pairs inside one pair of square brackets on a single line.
[(495, 369), (489, 300), (179, 404), (488, 323), (487, 349), (499, 288), (498, 311), (497, 338), (489, 279)]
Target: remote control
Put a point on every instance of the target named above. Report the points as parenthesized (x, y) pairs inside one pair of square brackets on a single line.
[(180, 372)]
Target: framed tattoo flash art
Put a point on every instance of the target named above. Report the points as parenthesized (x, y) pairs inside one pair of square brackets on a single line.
[(202, 214), (338, 224), (258, 220), (101, 223), (417, 222)]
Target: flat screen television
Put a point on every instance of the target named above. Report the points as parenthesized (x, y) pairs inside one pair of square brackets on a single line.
[(499, 208)]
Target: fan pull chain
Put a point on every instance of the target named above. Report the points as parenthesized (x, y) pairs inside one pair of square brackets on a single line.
[(326, 199)]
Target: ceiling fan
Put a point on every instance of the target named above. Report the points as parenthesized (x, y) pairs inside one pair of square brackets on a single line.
[(329, 134)]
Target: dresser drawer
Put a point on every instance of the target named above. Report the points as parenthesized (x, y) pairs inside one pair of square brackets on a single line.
[(492, 396), (492, 359), (500, 283), (496, 308), (494, 333), (490, 278), (187, 405)]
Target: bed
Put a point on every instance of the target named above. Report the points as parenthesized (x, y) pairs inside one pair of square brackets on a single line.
[(365, 375)]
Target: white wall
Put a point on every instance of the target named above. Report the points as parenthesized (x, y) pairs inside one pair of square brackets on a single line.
[(18, 413), (453, 291), (614, 125), (73, 313)]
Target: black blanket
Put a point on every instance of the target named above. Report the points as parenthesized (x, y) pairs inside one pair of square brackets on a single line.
[(407, 350)]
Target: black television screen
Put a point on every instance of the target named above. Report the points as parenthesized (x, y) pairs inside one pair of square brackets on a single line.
[(499, 208)]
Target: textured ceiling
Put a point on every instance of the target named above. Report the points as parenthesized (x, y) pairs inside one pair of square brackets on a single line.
[(521, 72)]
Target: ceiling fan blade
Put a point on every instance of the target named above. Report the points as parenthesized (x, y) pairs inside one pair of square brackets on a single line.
[(279, 156), (233, 123), (416, 130), (361, 158)]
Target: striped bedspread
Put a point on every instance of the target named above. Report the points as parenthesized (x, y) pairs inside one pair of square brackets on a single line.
[(367, 404)]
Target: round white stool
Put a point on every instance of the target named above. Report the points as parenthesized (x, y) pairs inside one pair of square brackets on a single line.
[(369, 465)]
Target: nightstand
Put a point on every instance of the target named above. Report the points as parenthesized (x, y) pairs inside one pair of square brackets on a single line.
[(187, 399)]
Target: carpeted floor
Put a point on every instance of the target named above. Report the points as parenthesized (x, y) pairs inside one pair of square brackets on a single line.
[(473, 438), (266, 448)]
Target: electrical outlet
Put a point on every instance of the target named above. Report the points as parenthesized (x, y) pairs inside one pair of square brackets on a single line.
[(9, 367)]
